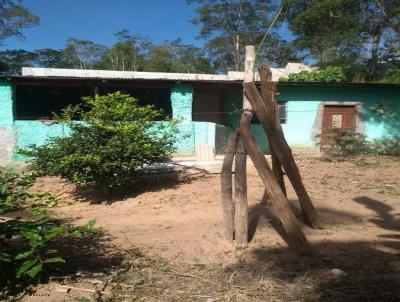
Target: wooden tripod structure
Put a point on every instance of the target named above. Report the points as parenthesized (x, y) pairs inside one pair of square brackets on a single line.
[(241, 143)]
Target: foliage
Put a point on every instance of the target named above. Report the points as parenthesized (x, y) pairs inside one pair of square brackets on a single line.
[(392, 76), (347, 32), (83, 54), (342, 143), (326, 75), (14, 60), (128, 53), (114, 140), (388, 146), (174, 56), (26, 229), (230, 25), (14, 18)]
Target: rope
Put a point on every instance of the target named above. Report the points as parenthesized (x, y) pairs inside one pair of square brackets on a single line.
[(269, 29)]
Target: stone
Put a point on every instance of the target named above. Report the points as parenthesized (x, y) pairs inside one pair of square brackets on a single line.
[(337, 272)]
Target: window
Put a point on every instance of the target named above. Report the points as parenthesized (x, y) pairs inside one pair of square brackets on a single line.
[(282, 111), (40, 102)]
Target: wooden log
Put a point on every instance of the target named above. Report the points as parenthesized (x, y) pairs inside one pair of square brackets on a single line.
[(268, 96), (228, 207), (241, 206), (283, 152), (289, 222)]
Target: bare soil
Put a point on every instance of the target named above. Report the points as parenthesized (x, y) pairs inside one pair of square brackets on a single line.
[(163, 242)]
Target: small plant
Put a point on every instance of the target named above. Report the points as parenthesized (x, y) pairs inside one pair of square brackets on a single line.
[(343, 143), (26, 230), (112, 141)]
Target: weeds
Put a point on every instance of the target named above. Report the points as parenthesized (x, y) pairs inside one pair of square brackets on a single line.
[(26, 230)]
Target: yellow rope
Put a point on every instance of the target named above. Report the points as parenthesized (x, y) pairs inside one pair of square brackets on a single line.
[(269, 29)]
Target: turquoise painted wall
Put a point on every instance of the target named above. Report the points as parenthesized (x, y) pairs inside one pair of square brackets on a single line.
[(190, 133), (306, 98), (303, 104), (181, 102), (35, 133), (6, 105)]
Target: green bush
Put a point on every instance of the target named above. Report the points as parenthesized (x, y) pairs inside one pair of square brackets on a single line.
[(386, 147), (392, 76), (327, 75), (26, 230), (114, 139), (342, 143)]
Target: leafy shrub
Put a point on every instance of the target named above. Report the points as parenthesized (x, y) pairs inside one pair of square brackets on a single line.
[(24, 242), (114, 139), (386, 147), (392, 76), (326, 75), (342, 143)]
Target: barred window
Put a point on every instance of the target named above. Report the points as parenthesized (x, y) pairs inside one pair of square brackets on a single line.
[(282, 111)]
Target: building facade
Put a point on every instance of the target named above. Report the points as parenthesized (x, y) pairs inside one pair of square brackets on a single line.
[(207, 106)]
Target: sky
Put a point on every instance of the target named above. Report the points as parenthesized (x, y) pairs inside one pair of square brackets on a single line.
[(98, 20)]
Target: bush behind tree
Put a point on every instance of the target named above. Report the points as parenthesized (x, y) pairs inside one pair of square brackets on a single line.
[(112, 141)]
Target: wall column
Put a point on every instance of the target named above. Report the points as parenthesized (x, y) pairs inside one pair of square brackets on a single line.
[(181, 102), (6, 122)]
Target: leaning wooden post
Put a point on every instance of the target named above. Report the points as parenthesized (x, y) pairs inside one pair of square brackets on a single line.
[(289, 222), (228, 207), (283, 152), (268, 94), (241, 206)]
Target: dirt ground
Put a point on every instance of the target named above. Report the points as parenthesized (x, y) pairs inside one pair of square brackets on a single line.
[(164, 241)]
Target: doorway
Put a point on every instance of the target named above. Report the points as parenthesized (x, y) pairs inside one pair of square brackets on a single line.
[(339, 118)]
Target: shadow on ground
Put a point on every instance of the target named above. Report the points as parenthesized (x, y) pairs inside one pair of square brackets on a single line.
[(146, 182), (369, 270)]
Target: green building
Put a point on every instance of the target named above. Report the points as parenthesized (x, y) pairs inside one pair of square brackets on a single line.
[(206, 105)]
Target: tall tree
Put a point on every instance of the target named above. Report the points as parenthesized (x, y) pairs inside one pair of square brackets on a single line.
[(52, 58), (83, 54), (229, 25), (12, 61), (345, 32), (13, 18), (174, 56), (127, 53)]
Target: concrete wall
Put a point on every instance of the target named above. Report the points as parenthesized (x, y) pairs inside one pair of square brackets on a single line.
[(190, 133), (7, 140), (305, 106), (16, 134)]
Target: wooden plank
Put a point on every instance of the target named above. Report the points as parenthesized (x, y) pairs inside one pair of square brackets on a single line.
[(283, 152), (241, 206), (289, 222), (228, 207), (268, 96)]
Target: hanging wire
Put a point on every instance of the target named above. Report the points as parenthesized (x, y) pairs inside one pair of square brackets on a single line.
[(238, 111), (269, 29)]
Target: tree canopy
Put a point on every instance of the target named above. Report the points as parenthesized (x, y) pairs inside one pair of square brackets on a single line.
[(348, 33), (13, 18), (229, 25)]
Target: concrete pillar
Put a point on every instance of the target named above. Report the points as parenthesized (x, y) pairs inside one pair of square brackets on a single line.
[(181, 102), (6, 122)]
